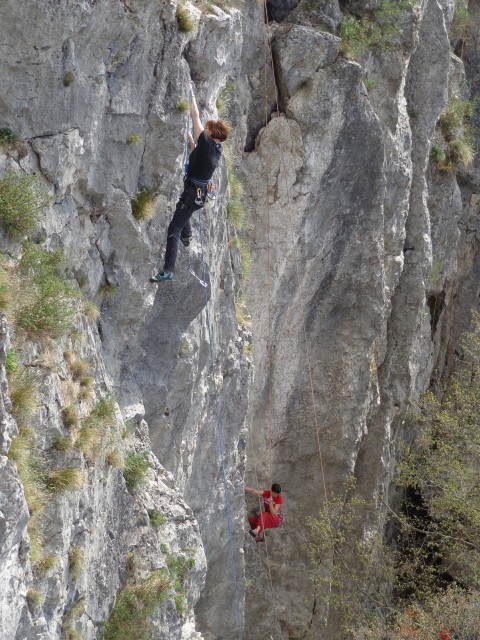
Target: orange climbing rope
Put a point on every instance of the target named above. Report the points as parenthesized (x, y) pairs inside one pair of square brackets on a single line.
[(297, 275)]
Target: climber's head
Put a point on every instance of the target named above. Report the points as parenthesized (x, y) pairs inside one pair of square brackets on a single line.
[(276, 488), (217, 129)]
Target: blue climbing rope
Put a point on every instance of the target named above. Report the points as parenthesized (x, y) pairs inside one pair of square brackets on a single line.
[(219, 437)]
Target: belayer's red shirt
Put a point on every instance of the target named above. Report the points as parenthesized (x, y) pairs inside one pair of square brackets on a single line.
[(276, 500)]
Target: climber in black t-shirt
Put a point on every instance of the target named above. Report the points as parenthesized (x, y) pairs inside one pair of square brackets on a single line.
[(204, 160)]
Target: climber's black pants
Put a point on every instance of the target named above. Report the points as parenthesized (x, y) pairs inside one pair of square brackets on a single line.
[(180, 224)]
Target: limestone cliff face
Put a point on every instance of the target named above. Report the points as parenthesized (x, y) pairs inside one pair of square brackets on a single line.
[(361, 245), (347, 217)]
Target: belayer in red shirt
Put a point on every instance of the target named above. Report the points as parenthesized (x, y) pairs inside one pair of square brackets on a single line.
[(271, 517)]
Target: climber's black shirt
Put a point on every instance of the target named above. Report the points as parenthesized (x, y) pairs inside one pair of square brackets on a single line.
[(204, 158)]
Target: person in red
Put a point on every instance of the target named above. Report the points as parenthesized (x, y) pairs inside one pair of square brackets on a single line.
[(269, 518)]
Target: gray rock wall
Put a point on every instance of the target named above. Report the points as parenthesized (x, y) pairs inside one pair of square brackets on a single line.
[(363, 258), (356, 234)]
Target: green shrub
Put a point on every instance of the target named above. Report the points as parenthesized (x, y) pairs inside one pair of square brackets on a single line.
[(443, 470), (437, 154), (356, 36), (164, 548), (461, 21), (454, 123), (371, 84), (23, 452), (23, 391), (157, 519), (11, 364), (177, 567), (90, 310), (380, 28), (62, 444), (134, 138), (183, 105), (184, 19), (104, 412), (86, 382), (347, 568), (86, 388), (78, 368), (89, 439), (236, 213), (129, 618), (415, 587), (70, 416), (222, 104), (96, 428), (73, 614), (21, 203), (128, 429), (136, 469), (115, 458), (9, 139), (34, 598), (68, 79), (236, 186), (30, 466), (54, 300), (455, 115), (45, 563), (143, 205), (65, 479), (7, 292), (460, 153)]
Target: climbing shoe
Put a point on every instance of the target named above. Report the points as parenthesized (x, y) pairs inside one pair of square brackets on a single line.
[(163, 275), (185, 241)]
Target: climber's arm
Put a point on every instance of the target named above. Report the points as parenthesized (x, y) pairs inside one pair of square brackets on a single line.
[(197, 125), (256, 492)]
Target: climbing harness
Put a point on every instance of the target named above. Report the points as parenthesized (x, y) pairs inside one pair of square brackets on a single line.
[(204, 284), (202, 189), (220, 444)]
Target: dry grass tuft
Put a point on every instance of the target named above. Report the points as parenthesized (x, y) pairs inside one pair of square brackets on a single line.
[(143, 205)]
